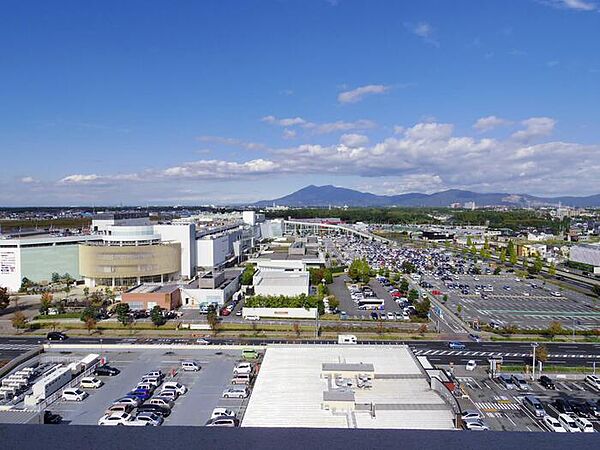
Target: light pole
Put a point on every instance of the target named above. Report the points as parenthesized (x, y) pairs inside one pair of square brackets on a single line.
[(534, 345)]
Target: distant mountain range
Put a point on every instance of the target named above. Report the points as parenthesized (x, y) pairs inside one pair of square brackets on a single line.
[(320, 196)]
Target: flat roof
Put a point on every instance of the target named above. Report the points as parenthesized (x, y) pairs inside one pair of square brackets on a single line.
[(275, 278), (291, 387), (153, 289), (344, 367)]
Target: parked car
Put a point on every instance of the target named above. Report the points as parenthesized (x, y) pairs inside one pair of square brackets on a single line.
[(534, 405), (202, 341), (252, 318), (236, 392), (56, 336), (547, 382), (584, 425), (156, 409), (146, 387), (223, 422), (90, 383), (242, 368), (149, 419), (455, 345), (160, 401), (119, 408), (74, 395), (128, 400), (219, 412), (563, 406), (175, 386), (553, 424), (154, 381), (171, 394), (142, 394), (471, 365), (115, 419), (106, 371), (506, 381), (51, 418), (520, 382), (593, 408), (154, 374), (568, 423)]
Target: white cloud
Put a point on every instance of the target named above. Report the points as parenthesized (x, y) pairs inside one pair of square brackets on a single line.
[(356, 95), (398, 129), (424, 157), (79, 179), (289, 134), (232, 142), (284, 122), (578, 5), (28, 180), (320, 128), (424, 30), (354, 140), (489, 123), (535, 127)]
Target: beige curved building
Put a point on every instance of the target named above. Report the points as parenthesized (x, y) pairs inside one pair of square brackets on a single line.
[(128, 265)]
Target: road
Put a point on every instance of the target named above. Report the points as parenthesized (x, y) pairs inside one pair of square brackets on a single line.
[(575, 354)]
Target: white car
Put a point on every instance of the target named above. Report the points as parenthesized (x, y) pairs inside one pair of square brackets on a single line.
[(555, 294), (90, 383), (391, 316), (242, 368), (470, 414), (170, 394), (471, 365), (553, 424), (222, 412), (74, 395), (174, 386), (146, 419), (236, 392), (475, 425), (584, 425), (202, 341), (115, 419), (252, 318), (568, 423), (133, 401)]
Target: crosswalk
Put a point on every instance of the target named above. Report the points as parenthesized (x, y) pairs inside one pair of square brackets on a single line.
[(421, 352), (497, 406), (18, 346)]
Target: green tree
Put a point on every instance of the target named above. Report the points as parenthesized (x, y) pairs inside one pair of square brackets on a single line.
[(469, 241), (122, 310), (212, 318), (541, 353), (247, 275), (4, 298), (596, 290), (413, 295), (422, 308), (554, 328), (55, 277), (89, 313), (497, 271), (503, 255), (512, 253), (90, 324), (359, 270), (25, 284), (157, 317), (445, 298), (19, 321), (408, 267), (86, 292), (404, 285), (537, 264), (459, 309), (552, 272), (45, 302), (334, 303)]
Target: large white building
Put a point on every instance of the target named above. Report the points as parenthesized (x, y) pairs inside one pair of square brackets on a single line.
[(280, 282), (586, 254)]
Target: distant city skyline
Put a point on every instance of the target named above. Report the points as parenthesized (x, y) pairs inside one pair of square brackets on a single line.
[(147, 102)]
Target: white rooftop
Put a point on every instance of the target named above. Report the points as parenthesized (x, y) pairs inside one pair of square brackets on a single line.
[(289, 390)]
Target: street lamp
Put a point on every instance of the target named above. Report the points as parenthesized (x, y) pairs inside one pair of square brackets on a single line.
[(534, 345)]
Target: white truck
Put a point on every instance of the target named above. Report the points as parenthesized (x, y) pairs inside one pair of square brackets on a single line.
[(346, 339)]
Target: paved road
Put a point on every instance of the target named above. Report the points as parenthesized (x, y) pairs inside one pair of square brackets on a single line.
[(576, 354)]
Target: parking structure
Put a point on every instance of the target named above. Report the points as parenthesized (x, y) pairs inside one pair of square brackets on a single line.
[(204, 387)]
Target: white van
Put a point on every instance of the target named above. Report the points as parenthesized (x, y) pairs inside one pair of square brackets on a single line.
[(346, 339), (190, 366), (73, 395)]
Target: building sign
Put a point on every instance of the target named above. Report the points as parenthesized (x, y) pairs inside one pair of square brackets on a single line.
[(7, 262)]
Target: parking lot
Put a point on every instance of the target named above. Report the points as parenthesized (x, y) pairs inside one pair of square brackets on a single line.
[(194, 408), (519, 303), (503, 409)]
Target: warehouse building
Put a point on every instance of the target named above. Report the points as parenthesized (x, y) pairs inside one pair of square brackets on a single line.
[(586, 254)]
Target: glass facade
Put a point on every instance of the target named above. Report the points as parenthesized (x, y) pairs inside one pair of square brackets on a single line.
[(38, 263)]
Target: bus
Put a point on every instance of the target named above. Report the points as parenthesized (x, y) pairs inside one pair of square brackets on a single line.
[(371, 303)]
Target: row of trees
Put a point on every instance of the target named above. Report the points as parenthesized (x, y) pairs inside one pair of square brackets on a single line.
[(281, 301)]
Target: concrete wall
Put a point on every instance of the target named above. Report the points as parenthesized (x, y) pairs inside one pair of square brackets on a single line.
[(148, 300), (185, 235)]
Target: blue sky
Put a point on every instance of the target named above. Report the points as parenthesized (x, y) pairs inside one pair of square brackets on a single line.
[(189, 102)]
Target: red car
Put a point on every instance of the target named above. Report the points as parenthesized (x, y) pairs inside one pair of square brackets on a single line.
[(225, 312)]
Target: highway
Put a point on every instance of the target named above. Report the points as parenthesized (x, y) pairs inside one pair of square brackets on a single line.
[(575, 354)]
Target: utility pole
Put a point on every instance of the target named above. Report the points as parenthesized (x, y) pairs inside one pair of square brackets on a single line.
[(534, 345)]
